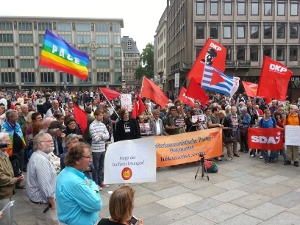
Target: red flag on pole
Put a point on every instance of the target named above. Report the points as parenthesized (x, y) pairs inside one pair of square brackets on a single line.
[(185, 99), (135, 110), (109, 94), (213, 54), (141, 105), (152, 91), (250, 88), (80, 117), (274, 80), (195, 91)]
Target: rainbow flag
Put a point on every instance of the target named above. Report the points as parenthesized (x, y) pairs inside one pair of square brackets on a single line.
[(58, 54)]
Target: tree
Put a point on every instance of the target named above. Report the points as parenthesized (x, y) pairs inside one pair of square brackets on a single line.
[(139, 73), (147, 58)]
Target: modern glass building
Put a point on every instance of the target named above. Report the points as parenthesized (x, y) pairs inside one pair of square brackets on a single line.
[(21, 40)]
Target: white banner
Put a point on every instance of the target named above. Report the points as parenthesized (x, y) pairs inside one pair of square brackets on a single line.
[(292, 134), (131, 161), (126, 102)]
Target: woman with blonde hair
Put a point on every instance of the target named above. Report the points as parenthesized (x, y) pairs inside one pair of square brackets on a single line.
[(2, 114), (227, 133)]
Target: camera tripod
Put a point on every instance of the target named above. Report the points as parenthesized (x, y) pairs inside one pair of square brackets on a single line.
[(203, 169)]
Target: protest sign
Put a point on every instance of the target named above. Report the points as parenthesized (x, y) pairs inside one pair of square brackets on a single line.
[(265, 138), (131, 161), (126, 102), (198, 119), (292, 134), (145, 128), (179, 122)]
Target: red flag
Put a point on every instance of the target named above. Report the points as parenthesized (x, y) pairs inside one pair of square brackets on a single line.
[(185, 99), (141, 105), (250, 88), (213, 54), (195, 91), (109, 94), (274, 79), (135, 110), (216, 78), (80, 117), (152, 91), (265, 138)]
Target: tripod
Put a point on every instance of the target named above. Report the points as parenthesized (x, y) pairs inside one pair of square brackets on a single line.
[(203, 169)]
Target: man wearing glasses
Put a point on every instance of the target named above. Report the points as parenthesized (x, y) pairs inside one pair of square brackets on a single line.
[(41, 181)]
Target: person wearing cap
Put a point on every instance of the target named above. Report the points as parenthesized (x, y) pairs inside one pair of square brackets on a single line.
[(55, 130), (292, 119)]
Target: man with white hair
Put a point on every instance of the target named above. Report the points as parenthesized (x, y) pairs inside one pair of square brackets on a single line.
[(46, 124), (55, 107), (22, 120), (41, 181)]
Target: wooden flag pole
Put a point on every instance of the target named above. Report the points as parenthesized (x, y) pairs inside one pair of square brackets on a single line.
[(109, 103)]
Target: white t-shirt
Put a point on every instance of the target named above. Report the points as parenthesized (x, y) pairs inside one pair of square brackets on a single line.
[(4, 102)]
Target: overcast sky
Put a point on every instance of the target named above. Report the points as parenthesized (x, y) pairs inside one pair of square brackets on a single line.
[(140, 16)]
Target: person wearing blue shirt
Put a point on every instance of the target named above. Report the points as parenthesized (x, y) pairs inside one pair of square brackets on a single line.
[(77, 197), (245, 124)]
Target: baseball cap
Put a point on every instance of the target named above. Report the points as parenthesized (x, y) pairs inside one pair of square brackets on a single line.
[(56, 124)]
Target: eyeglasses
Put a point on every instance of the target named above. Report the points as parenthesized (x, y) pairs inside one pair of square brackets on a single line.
[(47, 141), (88, 157)]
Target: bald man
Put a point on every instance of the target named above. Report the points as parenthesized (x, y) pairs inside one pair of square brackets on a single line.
[(55, 107)]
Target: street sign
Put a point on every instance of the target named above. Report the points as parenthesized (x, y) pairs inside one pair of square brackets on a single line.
[(176, 82)]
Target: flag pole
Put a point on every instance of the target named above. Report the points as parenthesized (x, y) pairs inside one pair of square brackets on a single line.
[(109, 103), (142, 85)]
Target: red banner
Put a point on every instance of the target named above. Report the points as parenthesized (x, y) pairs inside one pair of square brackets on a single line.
[(265, 138), (80, 117), (213, 54), (109, 94), (186, 100), (196, 91), (274, 80), (250, 88)]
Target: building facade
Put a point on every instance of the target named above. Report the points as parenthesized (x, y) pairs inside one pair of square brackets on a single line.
[(131, 60), (21, 40), (249, 29)]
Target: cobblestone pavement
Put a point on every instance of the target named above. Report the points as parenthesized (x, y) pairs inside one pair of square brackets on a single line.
[(244, 191)]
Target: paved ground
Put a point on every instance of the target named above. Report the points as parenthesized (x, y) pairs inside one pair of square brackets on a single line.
[(244, 191)]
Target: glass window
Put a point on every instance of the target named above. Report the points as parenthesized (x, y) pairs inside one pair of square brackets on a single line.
[(6, 51), (254, 31), (6, 26), (254, 53), (26, 63), (25, 38), (293, 54), (66, 37), (267, 31), (6, 38), (280, 9), (102, 51), (7, 63), (8, 77), (214, 32), (87, 50), (227, 31), (281, 31), (268, 51), (26, 50), (227, 8), (254, 8), (88, 80), (280, 54), (83, 39), (44, 26), (200, 31), (47, 77), (65, 77), (241, 8), (102, 63), (241, 52), (82, 27), (101, 27), (118, 64), (25, 26), (228, 53), (200, 8), (117, 39), (214, 8), (102, 77), (64, 26), (117, 51), (117, 28), (27, 77), (41, 38), (241, 32), (293, 32), (294, 9), (268, 9), (102, 39)]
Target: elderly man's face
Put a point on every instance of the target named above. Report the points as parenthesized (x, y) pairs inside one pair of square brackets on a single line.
[(24, 109)]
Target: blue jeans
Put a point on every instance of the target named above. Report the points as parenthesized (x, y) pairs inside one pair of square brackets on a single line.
[(273, 156), (98, 161)]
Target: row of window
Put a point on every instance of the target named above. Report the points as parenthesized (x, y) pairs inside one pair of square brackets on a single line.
[(241, 31), (130, 55), (241, 8), (80, 27), (132, 63), (129, 70)]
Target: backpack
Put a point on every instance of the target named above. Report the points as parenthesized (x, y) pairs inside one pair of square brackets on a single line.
[(210, 167), (287, 116), (263, 121), (29, 148)]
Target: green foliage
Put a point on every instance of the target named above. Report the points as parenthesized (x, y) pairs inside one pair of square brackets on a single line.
[(139, 73), (147, 58)]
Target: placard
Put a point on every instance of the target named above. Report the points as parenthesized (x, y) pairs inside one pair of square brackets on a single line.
[(179, 122), (126, 101), (145, 128), (131, 161), (198, 119), (292, 134)]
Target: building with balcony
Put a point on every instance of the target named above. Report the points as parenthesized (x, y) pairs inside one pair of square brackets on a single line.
[(131, 60), (249, 29), (21, 40)]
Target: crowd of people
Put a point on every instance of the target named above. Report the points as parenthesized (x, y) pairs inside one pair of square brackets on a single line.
[(65, 164)]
